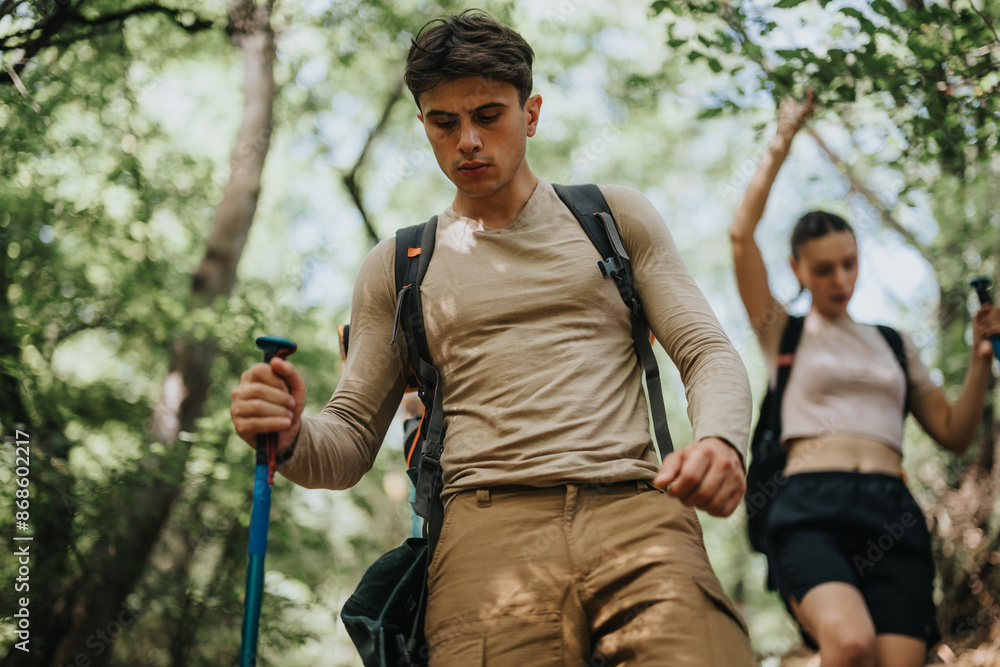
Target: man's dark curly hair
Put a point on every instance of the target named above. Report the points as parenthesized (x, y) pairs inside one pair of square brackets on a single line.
[(472, 43)]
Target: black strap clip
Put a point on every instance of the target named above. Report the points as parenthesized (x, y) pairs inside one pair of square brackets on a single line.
[(611, 267)]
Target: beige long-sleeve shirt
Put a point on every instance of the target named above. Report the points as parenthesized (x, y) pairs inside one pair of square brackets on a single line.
[(540, 381)]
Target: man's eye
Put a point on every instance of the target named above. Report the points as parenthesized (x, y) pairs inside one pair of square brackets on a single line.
[(488, 119), (445, 124)]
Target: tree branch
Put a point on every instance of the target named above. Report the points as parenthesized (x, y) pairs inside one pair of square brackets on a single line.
[(351, 178), (69, 17), (986, 21), (174, 14), (868, 194)]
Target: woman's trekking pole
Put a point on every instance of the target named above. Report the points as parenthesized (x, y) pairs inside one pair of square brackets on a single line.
[(267, 445), (982, 287)]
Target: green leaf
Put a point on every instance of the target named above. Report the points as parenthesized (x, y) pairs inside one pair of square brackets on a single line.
[(788, 4), (886, 9), (789, 54)]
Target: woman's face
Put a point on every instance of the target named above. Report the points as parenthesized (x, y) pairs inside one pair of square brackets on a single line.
[(828, 267)]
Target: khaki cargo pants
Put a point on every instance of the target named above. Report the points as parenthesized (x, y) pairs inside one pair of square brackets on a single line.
[(577, 576)]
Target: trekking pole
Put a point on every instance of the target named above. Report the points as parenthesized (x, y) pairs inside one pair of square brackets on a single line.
[(982, 287), (267, 445)]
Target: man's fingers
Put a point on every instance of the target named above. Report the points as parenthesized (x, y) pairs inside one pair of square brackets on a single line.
[(708, 492), (706, 475), (293, 381), (249, 428), (260, 409), (269, 398), (262, 373), (729, 505), (669, 470), (691, 474), (248, 395)]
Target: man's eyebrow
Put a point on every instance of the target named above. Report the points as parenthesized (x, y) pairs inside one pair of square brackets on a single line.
[(488, 105)]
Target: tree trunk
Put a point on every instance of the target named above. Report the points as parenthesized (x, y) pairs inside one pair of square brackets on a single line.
[(101, 611)]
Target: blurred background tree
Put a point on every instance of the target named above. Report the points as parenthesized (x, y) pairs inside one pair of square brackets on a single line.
[(179, 177)]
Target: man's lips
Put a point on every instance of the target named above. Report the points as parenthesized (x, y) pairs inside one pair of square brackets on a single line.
[(473, 168)]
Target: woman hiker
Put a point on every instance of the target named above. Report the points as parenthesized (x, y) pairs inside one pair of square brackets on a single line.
[(842, 428)]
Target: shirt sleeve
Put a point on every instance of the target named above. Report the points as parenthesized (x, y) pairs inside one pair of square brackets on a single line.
[(715, 379), (337, 446), (920, 381)]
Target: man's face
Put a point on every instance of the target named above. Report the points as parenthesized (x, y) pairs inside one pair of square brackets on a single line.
[(478, 131)]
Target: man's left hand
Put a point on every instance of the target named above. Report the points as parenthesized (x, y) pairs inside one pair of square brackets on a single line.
[(707, 474)]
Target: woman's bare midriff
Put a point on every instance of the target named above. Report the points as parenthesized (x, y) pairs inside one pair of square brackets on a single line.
[(842, 452)]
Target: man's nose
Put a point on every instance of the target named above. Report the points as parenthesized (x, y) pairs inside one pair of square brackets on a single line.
[(469, 141)]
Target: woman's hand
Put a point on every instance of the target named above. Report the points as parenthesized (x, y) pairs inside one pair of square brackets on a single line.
[(792, 115), (953, 425), (985, 325)]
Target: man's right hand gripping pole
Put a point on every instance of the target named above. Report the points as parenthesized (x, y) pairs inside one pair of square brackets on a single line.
[(270, 397)]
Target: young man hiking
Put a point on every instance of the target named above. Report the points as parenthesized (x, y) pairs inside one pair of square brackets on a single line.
[(559, 545)]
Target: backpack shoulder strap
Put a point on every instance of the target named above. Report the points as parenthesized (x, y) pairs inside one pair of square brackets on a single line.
[(770, 418), (786, 352), (895, 341), (790, 339), (414, 248), (585, 201), (591, 210), (408, 252), (767, 458)]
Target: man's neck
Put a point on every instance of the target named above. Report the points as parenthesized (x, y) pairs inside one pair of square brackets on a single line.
[(497, 210)]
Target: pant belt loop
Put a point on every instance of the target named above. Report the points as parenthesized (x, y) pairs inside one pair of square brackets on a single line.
[(483, 497), (640, 486)]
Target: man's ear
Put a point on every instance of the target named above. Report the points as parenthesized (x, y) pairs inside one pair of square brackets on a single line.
[(420, 117), (533, 107)]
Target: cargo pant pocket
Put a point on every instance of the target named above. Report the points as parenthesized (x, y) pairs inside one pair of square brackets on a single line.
[(507, 641), (728, 637)]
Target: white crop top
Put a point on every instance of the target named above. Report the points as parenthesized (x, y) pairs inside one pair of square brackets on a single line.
[(845, 380)]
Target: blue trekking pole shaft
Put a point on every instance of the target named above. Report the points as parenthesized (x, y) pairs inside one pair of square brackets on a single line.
[(982, 287), (259, 518)]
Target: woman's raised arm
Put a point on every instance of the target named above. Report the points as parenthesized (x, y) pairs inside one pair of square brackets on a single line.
[(751, 274)]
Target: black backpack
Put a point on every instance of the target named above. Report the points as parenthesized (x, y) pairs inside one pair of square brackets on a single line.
[(384, 616), (766, 473)]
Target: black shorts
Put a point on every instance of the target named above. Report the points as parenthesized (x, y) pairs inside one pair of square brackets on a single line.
[(865, 530)]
